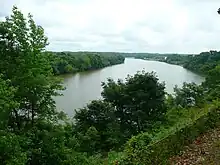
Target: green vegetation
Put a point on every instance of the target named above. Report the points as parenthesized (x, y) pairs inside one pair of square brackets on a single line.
[(206, 63), (201, 63), (71, 62), (177, 59), (137, 122), (158, 147), (125, 111)]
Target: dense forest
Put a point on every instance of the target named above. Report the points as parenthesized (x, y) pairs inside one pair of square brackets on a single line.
[(200, 63), (136, 122), (177, 59), (71, 62)]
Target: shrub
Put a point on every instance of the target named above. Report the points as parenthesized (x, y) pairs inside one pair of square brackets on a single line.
[(170, 141)]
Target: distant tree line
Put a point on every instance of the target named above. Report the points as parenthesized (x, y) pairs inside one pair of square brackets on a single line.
[(71, 62), (177, 59), (203, 62), (200, 63)]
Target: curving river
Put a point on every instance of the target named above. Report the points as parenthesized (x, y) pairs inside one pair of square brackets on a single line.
[(83, 87)]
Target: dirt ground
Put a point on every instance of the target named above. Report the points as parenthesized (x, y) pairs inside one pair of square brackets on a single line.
[(205, 150)]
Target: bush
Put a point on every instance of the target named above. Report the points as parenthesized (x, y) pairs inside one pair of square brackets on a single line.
[(170, 141), (11, 149)]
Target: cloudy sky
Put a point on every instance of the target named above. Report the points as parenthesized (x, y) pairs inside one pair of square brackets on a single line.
[(178, 26)]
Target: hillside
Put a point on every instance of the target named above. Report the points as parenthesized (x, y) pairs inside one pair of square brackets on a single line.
[(205, 150), (136, 123)]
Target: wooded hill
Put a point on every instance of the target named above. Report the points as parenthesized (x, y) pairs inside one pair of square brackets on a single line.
[(137, 122)]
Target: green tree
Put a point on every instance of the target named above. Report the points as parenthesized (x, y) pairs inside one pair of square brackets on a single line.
[(212, 83), (12, 149), (71, 62), (139, 101), (29, 71), (68, 68), (189, 95), (7, 103), (97, 126), (31, 131)]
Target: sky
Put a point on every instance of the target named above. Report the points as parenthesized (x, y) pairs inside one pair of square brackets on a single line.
[(157, 26)]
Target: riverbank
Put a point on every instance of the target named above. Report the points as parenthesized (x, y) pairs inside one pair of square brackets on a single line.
[(83, 87), (202, 63), (198, 64), (182, 64), (74, 62)]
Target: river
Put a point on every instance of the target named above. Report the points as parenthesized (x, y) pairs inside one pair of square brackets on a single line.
[(83, 87)]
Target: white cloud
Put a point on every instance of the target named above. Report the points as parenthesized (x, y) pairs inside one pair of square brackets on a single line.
[(126, 25)]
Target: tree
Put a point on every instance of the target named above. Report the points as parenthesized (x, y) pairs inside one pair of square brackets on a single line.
[(12, 149), (97, 127), (7, 103), (71, 62), (218, 11), (212, 83), (189, 95), (139, 101), (29, 71), (31, 131), (203, 62)]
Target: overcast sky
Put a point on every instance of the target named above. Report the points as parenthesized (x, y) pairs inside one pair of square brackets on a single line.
[(178, 26)]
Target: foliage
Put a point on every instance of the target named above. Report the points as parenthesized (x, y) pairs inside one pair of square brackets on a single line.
[(212, 83), (27, 69), (169, 141), (97, 127), (71, 62), (50, 144), (128, 108), (203, 62), (30, 130), (177, 59), (206, 63), (204, 150), (191, 112), (189, 95), (11, 149), (6, 103), (139, 101), (200, 63)]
